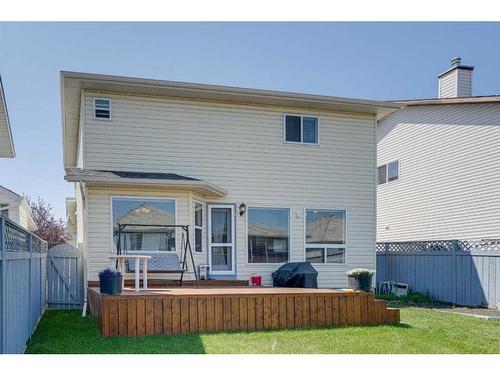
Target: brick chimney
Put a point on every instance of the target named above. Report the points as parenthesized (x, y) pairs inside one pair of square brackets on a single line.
[(456, 81)]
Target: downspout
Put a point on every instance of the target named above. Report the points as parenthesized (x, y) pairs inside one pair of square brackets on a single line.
[(84, 247)]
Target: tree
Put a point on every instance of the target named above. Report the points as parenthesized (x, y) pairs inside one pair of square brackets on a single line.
[(50, 229)]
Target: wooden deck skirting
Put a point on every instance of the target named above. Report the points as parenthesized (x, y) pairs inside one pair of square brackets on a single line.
[(189, 310)]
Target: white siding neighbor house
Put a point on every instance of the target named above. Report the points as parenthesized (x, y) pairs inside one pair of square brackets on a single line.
[(6, 142), (439, 165), (16, 208), (261, 177)]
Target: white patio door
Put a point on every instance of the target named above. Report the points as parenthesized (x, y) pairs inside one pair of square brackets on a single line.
[(221, 241)]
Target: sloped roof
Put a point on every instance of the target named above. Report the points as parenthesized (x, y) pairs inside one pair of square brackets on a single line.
[(262, 230), (325, 230), (128, 178), (145, 214)]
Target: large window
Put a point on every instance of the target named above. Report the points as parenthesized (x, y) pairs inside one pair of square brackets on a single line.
[(325, 236), (198, 227), (388, 172), (268, 235), (138, 224), (301, 129)]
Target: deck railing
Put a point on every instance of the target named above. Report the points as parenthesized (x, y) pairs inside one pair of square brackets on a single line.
[(463, 272), (23, 272)]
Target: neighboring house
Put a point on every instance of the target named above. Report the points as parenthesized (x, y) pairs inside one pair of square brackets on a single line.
[(261, 177), (6, 142), (439, 165), (71, 219), (16, 208)]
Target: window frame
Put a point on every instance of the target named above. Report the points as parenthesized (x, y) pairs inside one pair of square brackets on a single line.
[(110, 109), (139, 197), (387, 171), (195, 202), (326, 246), (289, 235), (301, 129)]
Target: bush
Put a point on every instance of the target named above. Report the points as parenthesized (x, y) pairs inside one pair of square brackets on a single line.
[(412, 297), (360, 272)]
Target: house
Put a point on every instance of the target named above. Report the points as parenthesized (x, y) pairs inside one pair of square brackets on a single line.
[(438, 165), (6, 142), (261, 177), (16, 208)]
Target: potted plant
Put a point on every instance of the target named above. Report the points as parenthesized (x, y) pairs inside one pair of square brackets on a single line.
[(110, 281), (360, 279)]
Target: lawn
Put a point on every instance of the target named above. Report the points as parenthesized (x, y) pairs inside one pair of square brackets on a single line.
[(421, 331)]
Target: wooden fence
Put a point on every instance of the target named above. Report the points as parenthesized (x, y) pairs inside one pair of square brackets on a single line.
[(65, 277), (462, 272), (23, 272)]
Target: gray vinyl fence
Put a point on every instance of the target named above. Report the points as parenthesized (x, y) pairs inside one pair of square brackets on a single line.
[(462, 272), (23, 271), (65, 277)]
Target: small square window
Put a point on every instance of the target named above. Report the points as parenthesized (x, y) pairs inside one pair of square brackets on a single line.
[(393, 171), (301, 129), (102, 108), (382, 174)]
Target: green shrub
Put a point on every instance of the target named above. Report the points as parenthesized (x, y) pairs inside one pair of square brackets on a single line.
[(412, 297)]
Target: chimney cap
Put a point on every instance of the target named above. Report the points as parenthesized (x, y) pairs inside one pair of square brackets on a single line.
[(456, 61)]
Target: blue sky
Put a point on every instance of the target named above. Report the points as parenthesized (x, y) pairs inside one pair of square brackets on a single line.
[(362, 60)]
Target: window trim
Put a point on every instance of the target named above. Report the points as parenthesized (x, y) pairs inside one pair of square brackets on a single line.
[(387, 171), (301, 129), (325, 246), (211, 244), (195, 202), (110, 109), (289, 235), (136, 197)]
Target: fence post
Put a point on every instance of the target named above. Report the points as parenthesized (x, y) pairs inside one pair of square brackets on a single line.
[(30, 304), (3, 288), (454, 268)]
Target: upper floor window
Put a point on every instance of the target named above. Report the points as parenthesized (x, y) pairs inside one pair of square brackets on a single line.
[(301, 129), (102, 108), (388, 172)]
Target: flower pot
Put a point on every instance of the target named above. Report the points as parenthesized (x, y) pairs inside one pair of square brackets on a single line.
[(360, 282), (110, 284)]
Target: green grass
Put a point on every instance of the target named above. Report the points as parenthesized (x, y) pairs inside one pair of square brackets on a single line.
[(420, 331)]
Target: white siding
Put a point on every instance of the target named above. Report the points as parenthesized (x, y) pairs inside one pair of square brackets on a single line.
[(464, 82), (449, 186), (6, 146), (14, 202), (448, 85), (241, 149)]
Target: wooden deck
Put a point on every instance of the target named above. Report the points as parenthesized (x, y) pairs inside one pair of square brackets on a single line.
[(210, 309)]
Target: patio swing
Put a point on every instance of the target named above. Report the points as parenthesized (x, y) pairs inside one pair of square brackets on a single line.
[(161, 261)]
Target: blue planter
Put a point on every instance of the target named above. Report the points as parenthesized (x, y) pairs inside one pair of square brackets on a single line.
[(110, 284), (360, 282)]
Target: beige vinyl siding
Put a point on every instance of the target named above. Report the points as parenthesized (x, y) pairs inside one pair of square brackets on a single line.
[(448, 84), (449, 184), (241, 149)]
